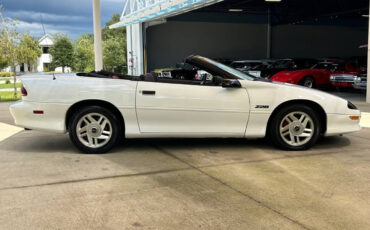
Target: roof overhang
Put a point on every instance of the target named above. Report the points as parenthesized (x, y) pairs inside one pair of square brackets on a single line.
[(137, 11)]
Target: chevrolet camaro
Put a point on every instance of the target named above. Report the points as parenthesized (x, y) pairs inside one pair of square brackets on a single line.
[(98, 109)]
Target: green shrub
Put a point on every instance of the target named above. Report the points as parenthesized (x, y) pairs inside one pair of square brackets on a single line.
[(6, 74), (7, 81), (9, 96)]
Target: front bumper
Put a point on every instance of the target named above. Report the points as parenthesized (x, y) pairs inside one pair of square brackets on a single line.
[(338, 124), (342, 84), (361, 86), (52, 119)]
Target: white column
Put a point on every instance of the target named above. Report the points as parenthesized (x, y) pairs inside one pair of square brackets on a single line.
[(135, 49), (368, 66), (97, 36)]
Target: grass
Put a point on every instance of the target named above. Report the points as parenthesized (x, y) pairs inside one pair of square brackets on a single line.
[(9, 86), (6, 74), (9, 96), (7, 78)]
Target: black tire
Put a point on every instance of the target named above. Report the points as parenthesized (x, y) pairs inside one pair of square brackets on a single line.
[(308, 82), (114, 125), (278, 119)]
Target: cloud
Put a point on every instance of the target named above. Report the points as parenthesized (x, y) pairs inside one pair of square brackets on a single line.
[(73, 17), (36, 29), (37, 16)]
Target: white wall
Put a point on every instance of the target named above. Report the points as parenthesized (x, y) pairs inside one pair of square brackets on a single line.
[(44, 58)]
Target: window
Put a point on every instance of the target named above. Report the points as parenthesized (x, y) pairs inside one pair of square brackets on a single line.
[(245, 65), (238, 74), (45, 50)]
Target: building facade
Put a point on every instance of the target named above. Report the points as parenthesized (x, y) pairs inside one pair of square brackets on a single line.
[(43, 62)]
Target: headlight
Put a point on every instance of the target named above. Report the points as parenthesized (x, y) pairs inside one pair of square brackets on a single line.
[(352, 106), (357, 79), (332, 78)]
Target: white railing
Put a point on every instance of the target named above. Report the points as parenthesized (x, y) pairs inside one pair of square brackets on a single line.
[(136, 11)]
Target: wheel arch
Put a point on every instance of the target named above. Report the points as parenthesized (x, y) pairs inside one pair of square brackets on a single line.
[(100, 103), (315, 106)]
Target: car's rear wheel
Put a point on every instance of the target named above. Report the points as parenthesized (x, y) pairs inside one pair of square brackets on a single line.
[(94, 129), (308, 82), (295, 127)]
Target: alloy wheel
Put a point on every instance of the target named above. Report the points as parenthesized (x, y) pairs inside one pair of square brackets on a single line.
[(94, 130), (297, 128)]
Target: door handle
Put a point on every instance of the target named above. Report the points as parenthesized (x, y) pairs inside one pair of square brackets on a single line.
[(148, 92)]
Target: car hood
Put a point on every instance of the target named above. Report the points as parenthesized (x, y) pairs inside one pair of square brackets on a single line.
[(344, 73), (287, 75)]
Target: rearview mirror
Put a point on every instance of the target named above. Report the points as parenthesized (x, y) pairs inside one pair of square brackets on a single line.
[(231, 83)]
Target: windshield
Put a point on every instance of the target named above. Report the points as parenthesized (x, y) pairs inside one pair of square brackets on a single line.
[(283, 64), (330, 66), (237, 73), (245, 65)]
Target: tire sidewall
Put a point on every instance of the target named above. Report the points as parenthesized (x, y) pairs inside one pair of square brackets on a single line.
[(116, 130), (275, 127)]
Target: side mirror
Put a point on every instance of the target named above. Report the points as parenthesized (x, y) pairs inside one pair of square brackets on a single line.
[(231, 83)]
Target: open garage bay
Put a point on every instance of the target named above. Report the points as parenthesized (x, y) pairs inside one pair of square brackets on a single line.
[(195, 184)]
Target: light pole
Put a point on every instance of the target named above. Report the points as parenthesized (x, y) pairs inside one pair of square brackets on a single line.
[(98, 48)]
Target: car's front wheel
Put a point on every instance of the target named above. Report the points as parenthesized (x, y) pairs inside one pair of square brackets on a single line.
[(308, 82), (296, 127), (94, 129)]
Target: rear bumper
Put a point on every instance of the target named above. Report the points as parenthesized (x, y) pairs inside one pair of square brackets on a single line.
[(52, 119), (338, 124)]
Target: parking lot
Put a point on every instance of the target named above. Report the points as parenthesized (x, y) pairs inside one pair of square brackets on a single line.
[(175, 183)]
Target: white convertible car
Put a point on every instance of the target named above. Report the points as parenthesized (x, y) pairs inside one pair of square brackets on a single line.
[(98, 109)]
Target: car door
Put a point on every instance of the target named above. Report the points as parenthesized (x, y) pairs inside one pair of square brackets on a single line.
[(191, 110), (321, 76)]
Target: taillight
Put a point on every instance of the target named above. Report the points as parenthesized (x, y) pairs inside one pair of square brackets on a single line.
[(23, 91)]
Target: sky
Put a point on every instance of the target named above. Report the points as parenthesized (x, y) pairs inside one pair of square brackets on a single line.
[(73, 17)]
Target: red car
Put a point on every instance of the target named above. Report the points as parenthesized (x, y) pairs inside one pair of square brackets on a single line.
[(318, 75)]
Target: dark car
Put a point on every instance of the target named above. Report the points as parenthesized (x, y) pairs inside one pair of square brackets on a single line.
[(359, 62), (360, 82), (253, 67)]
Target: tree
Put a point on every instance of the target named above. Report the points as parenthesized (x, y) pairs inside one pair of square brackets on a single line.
[(62, 52), (114, 46), (3, 61), (9, 45), (114, 54), (29, 50), (84, 53)]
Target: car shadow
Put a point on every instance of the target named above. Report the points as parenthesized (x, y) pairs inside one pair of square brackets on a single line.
[(44, 143)]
